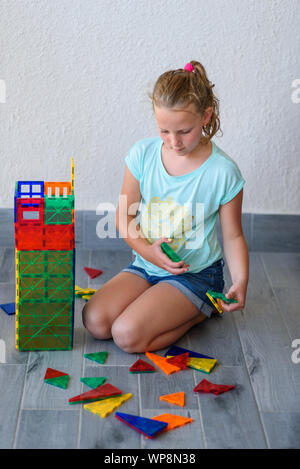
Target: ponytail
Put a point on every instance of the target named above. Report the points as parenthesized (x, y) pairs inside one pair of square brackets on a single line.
[(181, 87)]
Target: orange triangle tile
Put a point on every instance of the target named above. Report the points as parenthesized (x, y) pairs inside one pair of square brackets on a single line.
[(173, 421), (162, 363), (175, 398)]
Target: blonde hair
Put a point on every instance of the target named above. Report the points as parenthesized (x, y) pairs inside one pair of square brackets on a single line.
[(179, 88)]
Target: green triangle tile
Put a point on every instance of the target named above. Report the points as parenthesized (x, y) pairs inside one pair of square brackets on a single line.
[(98, 357), (93, 382), (59, 381)]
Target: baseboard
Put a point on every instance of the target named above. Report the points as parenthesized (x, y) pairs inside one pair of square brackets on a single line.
[(263, 232)]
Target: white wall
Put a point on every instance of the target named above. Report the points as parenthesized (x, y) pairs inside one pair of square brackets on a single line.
[(76, 74)]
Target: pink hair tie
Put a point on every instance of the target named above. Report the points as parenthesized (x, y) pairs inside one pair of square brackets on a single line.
[(189, 67)]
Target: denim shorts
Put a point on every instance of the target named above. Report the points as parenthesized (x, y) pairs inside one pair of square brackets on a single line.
[(193, 285)]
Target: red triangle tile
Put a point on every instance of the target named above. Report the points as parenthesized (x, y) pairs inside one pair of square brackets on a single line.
[(93, 272), (101, 392), (51, 373), (207, 386), (141, 365), (180, 360)]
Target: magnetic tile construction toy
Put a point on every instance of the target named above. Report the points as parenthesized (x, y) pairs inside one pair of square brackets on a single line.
[(9, 308), (207, 386), (56, 378), (140, 366), (173, 421), (98, 357), (80, 292), (216, 297), (101, 392), (84, 293), (194, 360), (175, 398), (93, 273), (107, 406), (162, 363), (180, 360), (147, 427), (93, 382), (170, 252), (45, 262), (175, 350), (205, 365)]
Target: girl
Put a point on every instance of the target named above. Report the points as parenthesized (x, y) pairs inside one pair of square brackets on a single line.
[(181, 181)]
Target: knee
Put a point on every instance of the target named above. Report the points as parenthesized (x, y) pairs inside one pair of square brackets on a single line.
[(126, 336), (94, 320)]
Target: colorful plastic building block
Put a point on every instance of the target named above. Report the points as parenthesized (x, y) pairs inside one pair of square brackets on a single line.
[(30, 211), (93, 382), (173, 421), (140, 366), (162, 363), (207, 386), (175, 398), (28, 189), (44, 299), (179, 360), (205, 365), (170, 252), (216, 304), (101, 392), (9, 308), (81, 292), (215, 295), (174, 350), (36, 237), (86, 297), (59, 210), (147, 427), (59, 189), (93, 273), (98, 357), (107, 406), (56, 378), (45, 263)]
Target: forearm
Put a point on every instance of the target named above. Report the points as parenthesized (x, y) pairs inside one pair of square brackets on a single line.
[(132, 234), (237, 257)]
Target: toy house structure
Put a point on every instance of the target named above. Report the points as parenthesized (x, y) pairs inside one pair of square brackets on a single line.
[(45, 264)]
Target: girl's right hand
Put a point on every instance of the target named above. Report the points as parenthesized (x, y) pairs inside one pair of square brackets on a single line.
[(156, 256)]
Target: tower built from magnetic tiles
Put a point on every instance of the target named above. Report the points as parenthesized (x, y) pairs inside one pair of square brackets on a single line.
[(45, 264)]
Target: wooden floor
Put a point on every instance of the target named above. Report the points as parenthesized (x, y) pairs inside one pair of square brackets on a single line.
[(253, 348)]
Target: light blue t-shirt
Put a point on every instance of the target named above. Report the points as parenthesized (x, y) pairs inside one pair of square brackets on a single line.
[(185, 207)]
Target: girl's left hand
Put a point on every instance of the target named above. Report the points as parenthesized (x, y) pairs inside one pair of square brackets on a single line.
[(238, 292)]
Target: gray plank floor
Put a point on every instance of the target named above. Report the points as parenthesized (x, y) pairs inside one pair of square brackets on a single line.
[(253, 348)]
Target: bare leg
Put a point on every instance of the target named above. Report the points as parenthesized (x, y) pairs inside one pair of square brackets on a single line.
[(110, 301), (157, 318), (168, 338)]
